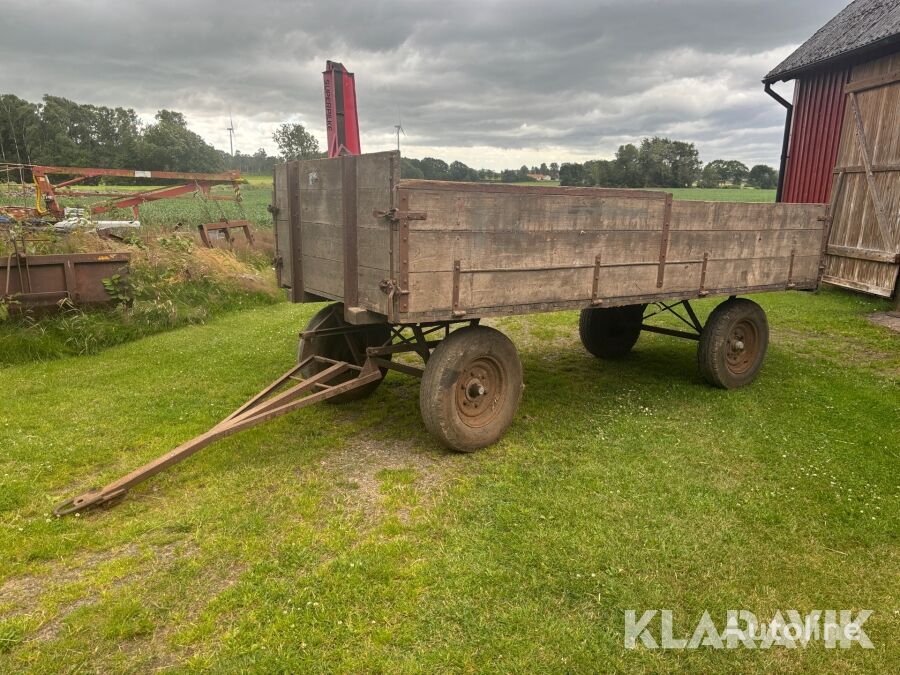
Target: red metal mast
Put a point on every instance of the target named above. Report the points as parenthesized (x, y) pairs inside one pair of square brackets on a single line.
[(341, 120)]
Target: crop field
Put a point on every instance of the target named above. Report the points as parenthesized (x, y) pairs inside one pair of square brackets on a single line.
[(343, 538)]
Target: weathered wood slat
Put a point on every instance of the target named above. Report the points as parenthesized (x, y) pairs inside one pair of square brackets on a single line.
[(433, 291), (436, 251), (492, 211), (863, 254), (690, 215)]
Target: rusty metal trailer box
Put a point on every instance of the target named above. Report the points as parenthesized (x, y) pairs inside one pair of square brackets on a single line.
[(403, 251)]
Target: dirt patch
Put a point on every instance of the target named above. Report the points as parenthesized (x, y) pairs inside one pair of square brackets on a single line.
[(23, 595), (25, 591), (358, 470), (887, 319)]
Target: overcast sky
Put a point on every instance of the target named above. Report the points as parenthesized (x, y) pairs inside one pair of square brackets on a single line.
[(493, 84)]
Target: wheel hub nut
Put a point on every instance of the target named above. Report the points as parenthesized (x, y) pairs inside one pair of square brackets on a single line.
[(475, 390), (739, 345)]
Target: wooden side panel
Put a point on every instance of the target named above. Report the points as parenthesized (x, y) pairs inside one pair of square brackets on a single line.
[(855, 218), (520, 251), (339, 242)]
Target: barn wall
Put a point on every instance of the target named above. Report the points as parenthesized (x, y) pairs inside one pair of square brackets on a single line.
[(815, 136)]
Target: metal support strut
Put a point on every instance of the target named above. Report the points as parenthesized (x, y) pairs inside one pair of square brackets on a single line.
[(692, 321), (279, 398)]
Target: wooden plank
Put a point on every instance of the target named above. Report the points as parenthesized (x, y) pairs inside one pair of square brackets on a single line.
[(497, 287), (497, 212), (322, 276), (691, 215), (323, 240), (540, 190), (435, 251), (320, 174), (876, 168), (863, 254), (857, 286), (872, 82)]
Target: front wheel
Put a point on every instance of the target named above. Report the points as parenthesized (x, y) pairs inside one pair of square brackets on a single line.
[(341, 342), (733, 343), (471, 388)]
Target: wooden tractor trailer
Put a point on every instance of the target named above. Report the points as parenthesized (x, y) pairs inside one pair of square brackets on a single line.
[(412, 266)]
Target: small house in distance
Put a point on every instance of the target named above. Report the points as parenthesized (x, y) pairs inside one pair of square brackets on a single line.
[(842, 140)]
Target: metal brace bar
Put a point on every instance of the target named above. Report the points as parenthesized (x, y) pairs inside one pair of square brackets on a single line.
[(457, 312), (790, 279), (664, 241), (703, 291), (595, 291)]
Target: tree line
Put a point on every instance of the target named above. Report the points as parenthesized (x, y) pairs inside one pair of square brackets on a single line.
[(655, 162), (60, 132), (661, 162)]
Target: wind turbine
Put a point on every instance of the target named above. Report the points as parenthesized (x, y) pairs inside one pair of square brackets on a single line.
[(399, 128), (230, 131)]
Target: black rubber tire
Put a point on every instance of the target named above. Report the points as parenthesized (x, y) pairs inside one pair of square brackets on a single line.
[(336, 347), (733, 343), (610, 332), (453, 408)]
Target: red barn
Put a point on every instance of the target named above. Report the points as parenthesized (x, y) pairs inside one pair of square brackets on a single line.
[(842, 140)]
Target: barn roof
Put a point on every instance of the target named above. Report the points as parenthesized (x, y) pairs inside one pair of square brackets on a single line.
[(862, 26)]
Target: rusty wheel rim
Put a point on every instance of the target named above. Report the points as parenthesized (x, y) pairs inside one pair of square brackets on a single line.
[(742, 347), (480, 391)]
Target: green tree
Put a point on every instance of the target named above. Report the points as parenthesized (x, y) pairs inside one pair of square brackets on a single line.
[(435, 169), (460, 172), (554, 170), (168, 145), (668, 163), (409, 168), (711, 176), (295, 142), (763, 177), (571, 174), (19, 125), (627, 172)]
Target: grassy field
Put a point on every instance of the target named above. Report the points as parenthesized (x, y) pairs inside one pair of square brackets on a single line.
[(342, 538)]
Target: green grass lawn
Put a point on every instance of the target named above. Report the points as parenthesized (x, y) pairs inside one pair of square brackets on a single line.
[(342, 538)]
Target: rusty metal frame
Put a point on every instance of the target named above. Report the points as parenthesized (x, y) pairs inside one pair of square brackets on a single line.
[(277, 399), (40, 284), (205, 228), (693, 322), (292, 391)]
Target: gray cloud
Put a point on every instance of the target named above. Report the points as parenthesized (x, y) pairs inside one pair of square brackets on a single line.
[(490, 83)]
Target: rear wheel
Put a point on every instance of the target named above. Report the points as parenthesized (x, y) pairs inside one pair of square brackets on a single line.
[(610, 332), (471, 388), (733, 343), (349, 346)]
